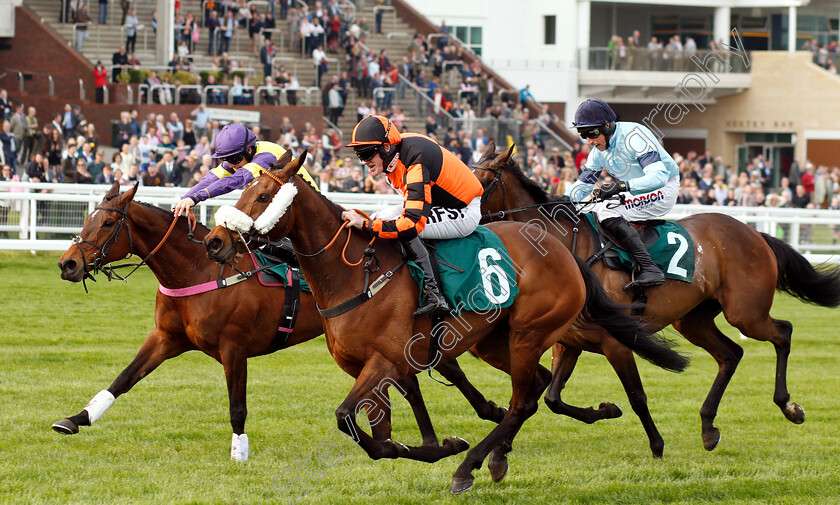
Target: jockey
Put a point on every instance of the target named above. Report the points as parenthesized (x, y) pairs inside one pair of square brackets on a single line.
[(640, 168), (442, 197), (242, 159)]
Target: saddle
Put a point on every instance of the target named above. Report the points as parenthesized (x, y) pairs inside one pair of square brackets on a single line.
[(607, 249)]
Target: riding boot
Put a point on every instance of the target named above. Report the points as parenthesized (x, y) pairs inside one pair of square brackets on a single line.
[(434, 303), (283, 250), (647, 273)]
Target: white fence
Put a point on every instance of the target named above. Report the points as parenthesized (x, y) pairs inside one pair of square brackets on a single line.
[(43, 216)]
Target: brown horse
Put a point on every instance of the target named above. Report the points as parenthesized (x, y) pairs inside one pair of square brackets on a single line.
[(379, 343), (210, 322), (737, 272)]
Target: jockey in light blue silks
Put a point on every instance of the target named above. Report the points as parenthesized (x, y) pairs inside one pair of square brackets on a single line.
[(640, 168)]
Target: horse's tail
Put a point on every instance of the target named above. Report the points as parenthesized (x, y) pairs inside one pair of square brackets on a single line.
[(799, 278), (603, 311)]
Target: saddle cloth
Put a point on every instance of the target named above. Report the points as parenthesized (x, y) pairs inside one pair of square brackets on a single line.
[(476, 272), (276, 275), (668, 243)]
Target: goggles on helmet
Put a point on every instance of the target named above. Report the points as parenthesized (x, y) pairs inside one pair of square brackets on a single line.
[(233, 159), (591, 133), (367, 152)]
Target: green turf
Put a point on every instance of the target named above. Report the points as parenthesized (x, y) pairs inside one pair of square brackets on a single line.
[(168, 440)]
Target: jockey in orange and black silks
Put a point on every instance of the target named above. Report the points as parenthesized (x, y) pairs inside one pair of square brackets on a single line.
[(441, 195)]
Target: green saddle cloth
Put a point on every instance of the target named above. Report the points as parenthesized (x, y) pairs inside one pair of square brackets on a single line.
[(673, 251), (476, 272), (278, 273)]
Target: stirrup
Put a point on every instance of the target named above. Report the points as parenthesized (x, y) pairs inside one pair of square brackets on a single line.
[(433, 305), (634, 283)]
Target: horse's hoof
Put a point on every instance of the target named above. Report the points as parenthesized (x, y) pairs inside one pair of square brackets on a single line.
[(498, 413), (457, 444), (711, 439), (402, 450), (657, 450), (66, 427), (794, 413), (460, 485), (611, 410), (498, 466)]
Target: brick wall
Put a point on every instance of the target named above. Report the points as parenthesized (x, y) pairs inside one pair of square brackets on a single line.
[(37, 50)]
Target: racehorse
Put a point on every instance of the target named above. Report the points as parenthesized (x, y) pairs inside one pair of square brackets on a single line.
[(229, 324), (737, 272), (379, 343)]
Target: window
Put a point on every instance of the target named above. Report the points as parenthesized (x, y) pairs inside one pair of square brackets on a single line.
[(550, 30), (470, 36)]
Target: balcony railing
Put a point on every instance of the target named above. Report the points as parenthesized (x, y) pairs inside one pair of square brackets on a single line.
[(659, 60)]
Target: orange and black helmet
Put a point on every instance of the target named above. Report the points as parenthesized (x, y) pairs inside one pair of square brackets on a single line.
[(371, 134)]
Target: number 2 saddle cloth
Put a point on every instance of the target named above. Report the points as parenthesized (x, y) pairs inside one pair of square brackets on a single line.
[(668, 243)]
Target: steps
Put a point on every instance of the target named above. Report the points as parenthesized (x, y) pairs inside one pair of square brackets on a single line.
[(106, 39)]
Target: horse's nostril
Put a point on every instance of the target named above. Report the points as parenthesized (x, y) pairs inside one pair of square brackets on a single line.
[(68, 266), (214, 245)]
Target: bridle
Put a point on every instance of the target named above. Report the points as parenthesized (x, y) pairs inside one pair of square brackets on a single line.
[(98, 264), (497, 180), (368, 250)]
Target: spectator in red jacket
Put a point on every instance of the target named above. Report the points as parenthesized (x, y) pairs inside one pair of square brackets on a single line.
[(100, 80)]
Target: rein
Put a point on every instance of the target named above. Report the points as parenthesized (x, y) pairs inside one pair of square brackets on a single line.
[(344, 250)]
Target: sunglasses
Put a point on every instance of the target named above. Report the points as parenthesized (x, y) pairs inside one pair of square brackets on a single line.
[(233, 159), (366, 153), (591, 133)]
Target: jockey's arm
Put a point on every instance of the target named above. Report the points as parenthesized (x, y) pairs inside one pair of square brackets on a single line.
[(656, 174), (415, 208)]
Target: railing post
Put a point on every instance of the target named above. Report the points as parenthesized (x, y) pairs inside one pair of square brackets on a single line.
[(20, 81), (33, 211), (24, 220)]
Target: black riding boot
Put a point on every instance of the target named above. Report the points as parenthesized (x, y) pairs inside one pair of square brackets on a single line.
[(282, 250), (647, 273), (434, 303)]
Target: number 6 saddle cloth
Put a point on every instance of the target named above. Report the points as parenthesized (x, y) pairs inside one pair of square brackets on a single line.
[(476, 272), (668, 243)]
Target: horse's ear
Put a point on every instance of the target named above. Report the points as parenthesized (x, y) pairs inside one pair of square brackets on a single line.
[(504, 157), (489, 150), (291, 168), (283, 160), (113, 191), (128, 195)]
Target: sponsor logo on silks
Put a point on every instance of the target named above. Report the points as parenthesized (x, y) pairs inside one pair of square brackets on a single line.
[(440, 214), (643, 200)]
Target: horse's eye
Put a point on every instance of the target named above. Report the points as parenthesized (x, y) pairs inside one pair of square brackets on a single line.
[(108, 223), (263, 198)]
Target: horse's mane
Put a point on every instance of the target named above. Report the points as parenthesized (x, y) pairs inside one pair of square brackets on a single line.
[(535, 190)]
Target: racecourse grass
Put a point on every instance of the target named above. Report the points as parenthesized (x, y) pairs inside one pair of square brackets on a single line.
[(168, 439)]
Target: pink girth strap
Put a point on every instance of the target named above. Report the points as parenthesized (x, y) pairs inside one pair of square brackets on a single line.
[(192, 290)]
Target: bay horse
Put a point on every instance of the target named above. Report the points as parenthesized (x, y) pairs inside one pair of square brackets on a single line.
[(379, 343), (737, 272), (229, 324)]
